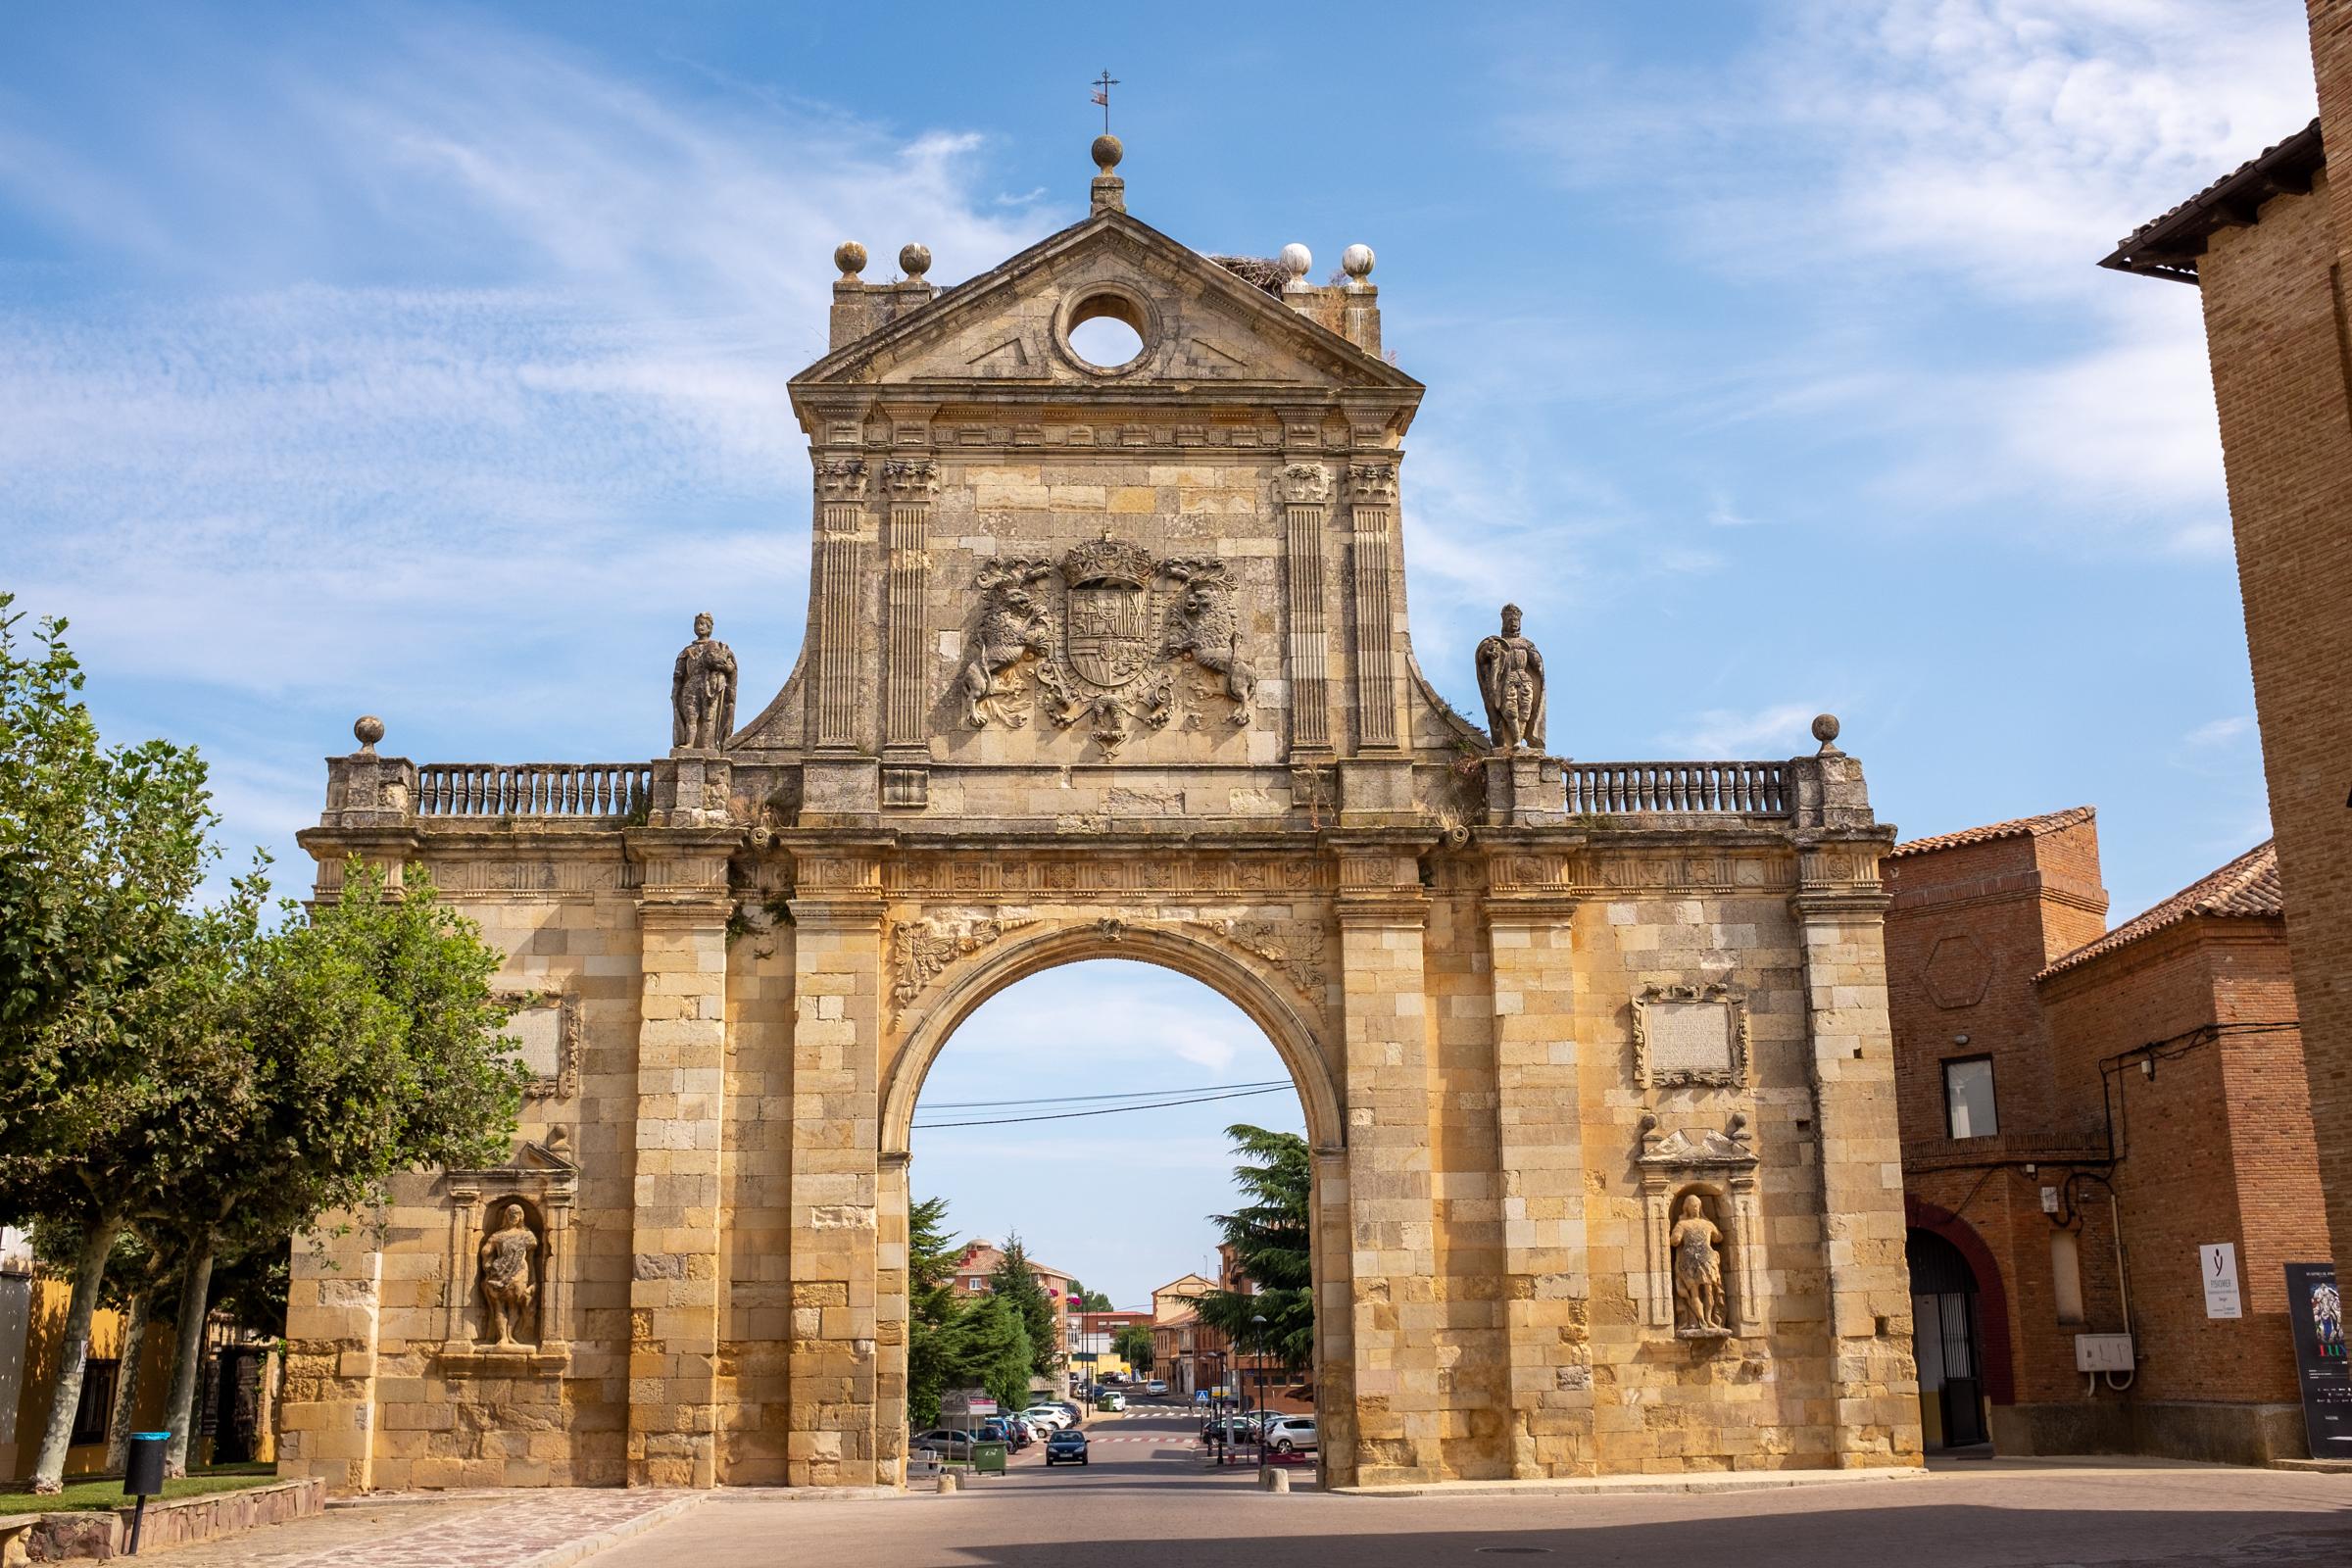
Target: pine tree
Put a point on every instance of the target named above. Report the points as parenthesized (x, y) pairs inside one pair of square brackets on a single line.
[(1014, 1280), (1269, 1238)]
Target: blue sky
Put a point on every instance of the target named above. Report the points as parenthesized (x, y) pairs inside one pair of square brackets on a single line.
[(430, 361)]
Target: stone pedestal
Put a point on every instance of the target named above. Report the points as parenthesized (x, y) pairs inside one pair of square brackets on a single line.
[(1515, 792), (691, 790)]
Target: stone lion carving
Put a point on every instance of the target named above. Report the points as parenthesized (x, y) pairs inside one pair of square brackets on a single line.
[(1204, 626), (508, 1258), (1014, 625)]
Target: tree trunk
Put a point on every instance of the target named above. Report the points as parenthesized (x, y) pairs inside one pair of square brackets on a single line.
[(73, 1355), (126, 1382), (187, 1357)]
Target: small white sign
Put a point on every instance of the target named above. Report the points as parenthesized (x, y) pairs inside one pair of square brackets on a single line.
[(2049, 1200), (2218, 1264), (983, 1407)]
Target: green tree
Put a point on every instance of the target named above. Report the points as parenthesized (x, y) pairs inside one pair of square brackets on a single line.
[(993, 1351), (1082, 1300), (933, 1313), (350, 1047), (1269, 1237), (1014, 1280), (100, 846), (100, 849), (1133, 1346)]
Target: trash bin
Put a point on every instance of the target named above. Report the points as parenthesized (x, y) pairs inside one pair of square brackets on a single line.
[(143, 1473), (988, 1459)]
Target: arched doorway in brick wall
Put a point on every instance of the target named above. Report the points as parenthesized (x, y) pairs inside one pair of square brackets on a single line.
[(1948, 1342)]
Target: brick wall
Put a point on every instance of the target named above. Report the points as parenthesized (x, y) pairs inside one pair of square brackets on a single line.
[(2215, 1146), (2275, 328)]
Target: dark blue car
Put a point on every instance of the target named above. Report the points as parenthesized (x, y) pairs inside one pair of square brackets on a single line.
[(1069, 1443)]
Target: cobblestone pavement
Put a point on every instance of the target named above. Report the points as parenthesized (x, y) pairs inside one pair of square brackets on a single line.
[(453, 1530)]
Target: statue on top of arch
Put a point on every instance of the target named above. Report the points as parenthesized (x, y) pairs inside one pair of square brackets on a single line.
[(1510, 677)]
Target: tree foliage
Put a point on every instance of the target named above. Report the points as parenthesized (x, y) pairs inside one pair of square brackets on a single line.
[(1014, 1280), (1133, 1346), (1269, 1236), (932, 1311)]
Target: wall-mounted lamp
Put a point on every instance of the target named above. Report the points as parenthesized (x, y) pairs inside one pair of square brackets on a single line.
[(1959, 1039), (2148, 1067)]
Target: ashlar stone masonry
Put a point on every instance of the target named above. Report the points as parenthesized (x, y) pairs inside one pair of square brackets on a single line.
[(1112, 661)]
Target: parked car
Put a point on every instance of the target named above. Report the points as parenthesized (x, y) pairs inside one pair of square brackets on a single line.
[(945, 1442), (1290, 1434), (1076, 1415), (1156, 1386), (1048, 1415), (1064, 1446)]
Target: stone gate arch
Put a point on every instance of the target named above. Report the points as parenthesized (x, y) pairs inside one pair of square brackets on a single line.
[(1114, 660), (1240, 979)]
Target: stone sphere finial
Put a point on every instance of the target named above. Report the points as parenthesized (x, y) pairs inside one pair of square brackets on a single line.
[(370, 729), (850, 257), (1825, 730), (1107, 151), (1356, 262), (1295, 260), (914, 260)]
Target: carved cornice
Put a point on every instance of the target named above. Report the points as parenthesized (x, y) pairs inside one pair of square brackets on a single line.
[(1294, 948), (915, 479)]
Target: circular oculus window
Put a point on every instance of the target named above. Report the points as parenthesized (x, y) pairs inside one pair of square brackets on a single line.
[(1107, 331)]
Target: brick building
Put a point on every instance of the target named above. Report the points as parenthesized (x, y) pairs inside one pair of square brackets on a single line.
[(2265, 245), (2082, 1110), (979, 1264)]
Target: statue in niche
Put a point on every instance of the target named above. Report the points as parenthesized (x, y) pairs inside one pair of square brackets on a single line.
[(702, 692), (1510, 677), (509, 1256), (1697, 1273)]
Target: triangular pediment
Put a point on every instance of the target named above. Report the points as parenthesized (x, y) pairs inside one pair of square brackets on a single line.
[(1200, 323)]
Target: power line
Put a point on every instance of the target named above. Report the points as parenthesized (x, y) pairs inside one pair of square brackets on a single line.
[(1133, 1094), (1106, 1110)]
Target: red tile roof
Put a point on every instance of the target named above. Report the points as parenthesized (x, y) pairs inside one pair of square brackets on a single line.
[(2023, 827), (2246, 888), (2169, 246)]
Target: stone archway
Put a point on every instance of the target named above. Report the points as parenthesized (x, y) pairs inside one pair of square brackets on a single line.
[(1114, 660), (1246, 978)]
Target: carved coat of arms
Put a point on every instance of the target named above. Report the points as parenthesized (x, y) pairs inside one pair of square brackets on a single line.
[(1107, 650)]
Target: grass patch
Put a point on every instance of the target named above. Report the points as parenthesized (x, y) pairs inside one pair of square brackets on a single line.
[(108, 1492)]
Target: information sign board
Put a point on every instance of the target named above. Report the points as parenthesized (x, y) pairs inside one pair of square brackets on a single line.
[(2218, 1264), (2316, 1309)]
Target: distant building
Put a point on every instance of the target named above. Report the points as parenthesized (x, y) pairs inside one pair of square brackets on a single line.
[(1093, 1333), (1193, 1355), (2082, 1110), (978, 1267)]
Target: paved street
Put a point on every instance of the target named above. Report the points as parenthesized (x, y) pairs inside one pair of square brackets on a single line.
[(1147, 1502)]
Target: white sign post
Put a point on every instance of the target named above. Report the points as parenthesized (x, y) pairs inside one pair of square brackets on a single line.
[(2217, 1265)]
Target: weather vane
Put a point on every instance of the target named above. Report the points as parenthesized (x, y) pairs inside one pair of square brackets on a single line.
[(1103, 86)]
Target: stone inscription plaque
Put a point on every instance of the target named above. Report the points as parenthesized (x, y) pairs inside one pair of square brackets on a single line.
[(1690, 1039), (541, 1032)]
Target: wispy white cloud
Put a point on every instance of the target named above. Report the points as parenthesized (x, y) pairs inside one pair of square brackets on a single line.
[(1777, 730), (1902, 170)]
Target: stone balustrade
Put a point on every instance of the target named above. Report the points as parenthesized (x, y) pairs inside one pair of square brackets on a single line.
[(534, 789), (1615, 789)]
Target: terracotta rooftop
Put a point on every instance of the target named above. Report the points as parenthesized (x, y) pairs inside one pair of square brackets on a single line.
[(2169, 246), (2024, 827), (2247, 887)]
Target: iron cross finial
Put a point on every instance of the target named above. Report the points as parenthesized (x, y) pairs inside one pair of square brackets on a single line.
[(1103, 86)]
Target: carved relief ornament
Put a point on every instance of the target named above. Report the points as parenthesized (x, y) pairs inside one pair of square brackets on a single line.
[(1295, 950), (841, 478), (1691, 1035), (911, 481), (1103, 646), (920, 950), (1372, 483), (508, 1271), (1306, 483)]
